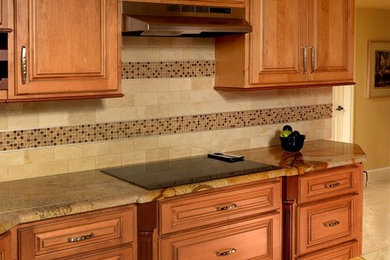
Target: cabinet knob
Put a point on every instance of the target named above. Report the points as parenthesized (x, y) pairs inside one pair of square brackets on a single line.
[(340, 108)]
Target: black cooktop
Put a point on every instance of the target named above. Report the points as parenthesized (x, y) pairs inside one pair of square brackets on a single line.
[(171, 173)]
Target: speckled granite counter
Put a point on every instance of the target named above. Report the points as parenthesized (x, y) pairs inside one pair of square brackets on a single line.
[(60, 195)]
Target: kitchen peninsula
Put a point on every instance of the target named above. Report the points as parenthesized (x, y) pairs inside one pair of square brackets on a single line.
[(27, 203)]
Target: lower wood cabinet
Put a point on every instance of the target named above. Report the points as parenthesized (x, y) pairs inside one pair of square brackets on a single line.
[(257, 238), (323, 214), (73, 237), (342, 252), (326, 224), (5, 247), (116, 254), (236, 222)]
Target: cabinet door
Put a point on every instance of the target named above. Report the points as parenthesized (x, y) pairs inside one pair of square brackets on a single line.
[(5, 247), (66, 48), (116, 254), (277, 42), (257, 238), (1, 12), (327, 224), (331, 39)]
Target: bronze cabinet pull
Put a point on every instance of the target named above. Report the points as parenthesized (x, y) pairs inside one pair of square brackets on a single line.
[(80, 238), (332, 185), (332, 223), (227, 252), (229, 207), (305, 59), (24, 64)]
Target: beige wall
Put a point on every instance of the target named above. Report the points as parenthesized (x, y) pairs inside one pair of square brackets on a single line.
[(151, 98), (372, 123)]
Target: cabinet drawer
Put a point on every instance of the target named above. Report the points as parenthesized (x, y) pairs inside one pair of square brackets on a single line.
[(116, 254), (77, 234), (326, 224), (331, 183), (253, 239), (216, 206), (343, 252)]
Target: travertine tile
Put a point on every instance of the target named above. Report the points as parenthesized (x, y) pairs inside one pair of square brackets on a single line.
[(53, 119), (82, 164), (23, 121), (133, 157), (12, 158), (4, 174), (25, 171), (179, 151), (81, 117), (108, 160), (157, 154), (40, 155)]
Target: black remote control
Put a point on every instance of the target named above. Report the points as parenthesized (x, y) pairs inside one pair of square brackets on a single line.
[(226, 157)]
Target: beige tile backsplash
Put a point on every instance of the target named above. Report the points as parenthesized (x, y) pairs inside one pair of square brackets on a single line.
[(151, 99)]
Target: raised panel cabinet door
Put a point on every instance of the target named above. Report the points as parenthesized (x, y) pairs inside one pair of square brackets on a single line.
[(115, 254), (327, 224), (277, 42), (221, 3), (331, 40), (1, 12), (5, 247), (66, 47), (257, 238), (343, 252)]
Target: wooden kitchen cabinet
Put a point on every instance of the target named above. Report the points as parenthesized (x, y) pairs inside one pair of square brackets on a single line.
[(237, 222), (323, 214), (256, 238), (82, 236), (221, 3), (4, 13), (66, 49), (293, 43), (5, 247)]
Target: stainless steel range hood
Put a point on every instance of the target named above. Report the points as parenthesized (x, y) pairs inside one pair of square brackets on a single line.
[(181, 20)]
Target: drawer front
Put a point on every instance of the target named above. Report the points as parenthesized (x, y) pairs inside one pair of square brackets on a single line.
[(216, 206), (331, 183), (330, 223), (117, 254), (253, 239), (78, 234), (343, 252)]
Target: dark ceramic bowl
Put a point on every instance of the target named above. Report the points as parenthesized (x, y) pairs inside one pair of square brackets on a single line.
[(293, 143)]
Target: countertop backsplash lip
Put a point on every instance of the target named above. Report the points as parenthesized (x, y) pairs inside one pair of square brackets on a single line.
[(60, 195)]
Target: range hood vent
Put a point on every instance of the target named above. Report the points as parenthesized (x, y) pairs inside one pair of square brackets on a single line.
[(182, 20)]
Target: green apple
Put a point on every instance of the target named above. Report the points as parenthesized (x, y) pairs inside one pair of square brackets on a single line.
[(285, 133)]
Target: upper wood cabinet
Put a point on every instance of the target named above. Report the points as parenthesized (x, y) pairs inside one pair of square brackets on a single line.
[(293, 43), (66, 49)]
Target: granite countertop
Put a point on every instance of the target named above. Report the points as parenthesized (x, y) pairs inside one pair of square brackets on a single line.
[(41, 198)]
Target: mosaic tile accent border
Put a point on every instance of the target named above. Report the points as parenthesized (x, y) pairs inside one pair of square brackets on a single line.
[(174, 69), (23, 139)]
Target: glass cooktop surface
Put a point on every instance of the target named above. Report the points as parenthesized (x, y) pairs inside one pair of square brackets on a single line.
[(171, 173)]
